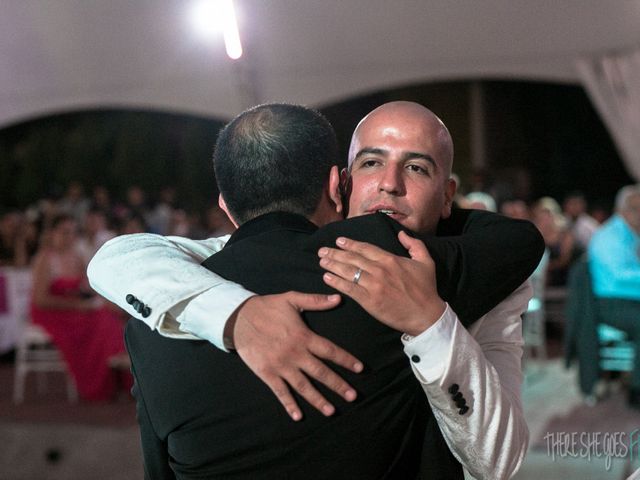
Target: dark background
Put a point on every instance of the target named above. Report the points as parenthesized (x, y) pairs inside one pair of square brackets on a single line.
[(542, 139)]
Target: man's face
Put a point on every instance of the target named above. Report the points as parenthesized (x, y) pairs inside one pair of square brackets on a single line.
[(400, 165), (631, 212), (574, 207)]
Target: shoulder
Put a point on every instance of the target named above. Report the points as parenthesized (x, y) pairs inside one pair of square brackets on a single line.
[(606, 232), (516, 302), (505, 318), (377, 229)]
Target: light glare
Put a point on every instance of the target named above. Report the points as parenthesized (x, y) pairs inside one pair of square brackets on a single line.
[(231, 34), (210, 17)]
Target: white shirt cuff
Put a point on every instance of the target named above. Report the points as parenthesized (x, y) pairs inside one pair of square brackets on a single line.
[(205, 315), (429, 352)]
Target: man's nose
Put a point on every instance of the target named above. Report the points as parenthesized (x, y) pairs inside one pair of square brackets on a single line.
[(391, 181)]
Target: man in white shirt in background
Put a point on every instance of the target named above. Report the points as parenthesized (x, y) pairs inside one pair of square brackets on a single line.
[(581, 224)]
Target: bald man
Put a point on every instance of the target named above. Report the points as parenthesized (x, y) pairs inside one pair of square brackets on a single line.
[(399, 164)]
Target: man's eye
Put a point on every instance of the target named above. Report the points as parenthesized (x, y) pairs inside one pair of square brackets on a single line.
[(369, 163), (418, 169)]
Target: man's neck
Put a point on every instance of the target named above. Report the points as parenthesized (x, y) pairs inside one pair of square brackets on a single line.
[(325, 215)]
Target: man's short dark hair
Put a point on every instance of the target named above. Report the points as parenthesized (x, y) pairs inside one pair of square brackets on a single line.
[(274, 157)]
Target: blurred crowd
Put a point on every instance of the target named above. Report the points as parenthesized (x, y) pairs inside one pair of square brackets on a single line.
[(56, 238), (98, 217), (566, 227)]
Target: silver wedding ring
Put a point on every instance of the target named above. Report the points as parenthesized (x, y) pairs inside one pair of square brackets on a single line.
[(356, 277)]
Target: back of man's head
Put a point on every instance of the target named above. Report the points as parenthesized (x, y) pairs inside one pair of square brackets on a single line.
[(623, 196), (274, 157), (628, 205)]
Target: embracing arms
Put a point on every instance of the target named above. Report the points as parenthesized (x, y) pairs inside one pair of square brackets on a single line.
[(185, 299), (471, 377)]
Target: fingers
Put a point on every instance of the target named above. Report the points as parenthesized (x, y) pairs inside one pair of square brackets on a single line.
[(347, 271), (278, 378), (299, 381), (281, 391), (366, 250), (275, 343), (327, 350), (330, 255), (416, 248), (316, 369), (312, 301), (301, 384), (355, 291)]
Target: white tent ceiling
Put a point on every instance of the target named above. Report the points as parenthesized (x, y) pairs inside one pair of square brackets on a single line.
[(60, 55)]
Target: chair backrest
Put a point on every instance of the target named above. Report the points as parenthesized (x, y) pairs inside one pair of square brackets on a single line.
[(538, 281), (598, 346), (615, 350), (15, 293), (581, 333)]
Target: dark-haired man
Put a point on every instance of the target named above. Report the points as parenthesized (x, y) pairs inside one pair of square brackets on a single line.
[(400, 165)]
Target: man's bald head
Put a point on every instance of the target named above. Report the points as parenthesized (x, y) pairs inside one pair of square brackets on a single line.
[(415, 115)]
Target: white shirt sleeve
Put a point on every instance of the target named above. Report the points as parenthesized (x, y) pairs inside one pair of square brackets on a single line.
[(164, 273), (490, 439)]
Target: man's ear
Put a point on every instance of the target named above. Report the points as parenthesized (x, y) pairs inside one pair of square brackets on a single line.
[(449, 194), (223, 205), (335, 192), (345, 188)]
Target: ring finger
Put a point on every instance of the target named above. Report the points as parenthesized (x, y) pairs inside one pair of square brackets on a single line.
[(345, 271)]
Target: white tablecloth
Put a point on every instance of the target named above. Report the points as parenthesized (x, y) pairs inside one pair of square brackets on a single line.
[(15, 292)]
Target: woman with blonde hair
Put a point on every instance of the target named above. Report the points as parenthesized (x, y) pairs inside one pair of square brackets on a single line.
[(563, 249)]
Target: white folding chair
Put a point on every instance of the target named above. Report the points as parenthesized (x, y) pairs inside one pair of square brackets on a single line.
[(534, 319), (36, 353)]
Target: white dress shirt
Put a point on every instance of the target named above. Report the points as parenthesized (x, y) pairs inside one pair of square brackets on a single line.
[(187, 301)]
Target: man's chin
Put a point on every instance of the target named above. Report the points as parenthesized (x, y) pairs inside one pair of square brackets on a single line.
[(401, 219)]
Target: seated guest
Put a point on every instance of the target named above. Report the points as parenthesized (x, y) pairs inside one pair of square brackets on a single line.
[(9, 238), (581, 224), (133, 223), (29, 240), (515, 208), (159, 218), (74, 202), (87, 331), (95, 233), (481, 201), (614, 261), (558, 239)]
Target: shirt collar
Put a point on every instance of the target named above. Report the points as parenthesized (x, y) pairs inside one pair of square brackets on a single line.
[(270, 222)]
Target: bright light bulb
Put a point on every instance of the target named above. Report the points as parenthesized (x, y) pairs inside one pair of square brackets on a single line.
[(210, 17), (231, 33), (205, 18)]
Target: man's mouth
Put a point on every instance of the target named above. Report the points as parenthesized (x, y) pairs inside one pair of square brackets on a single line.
[(386, 211)]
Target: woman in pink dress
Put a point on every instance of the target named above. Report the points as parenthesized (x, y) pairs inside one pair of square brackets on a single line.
[(87, 331)]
